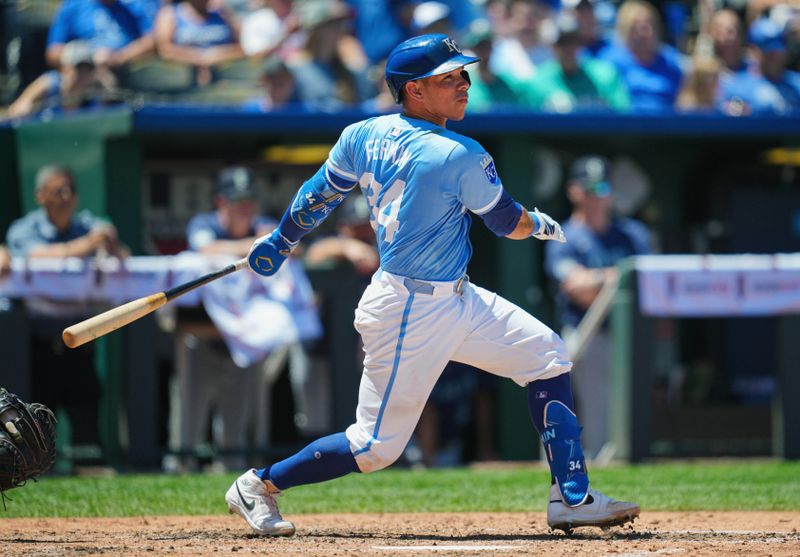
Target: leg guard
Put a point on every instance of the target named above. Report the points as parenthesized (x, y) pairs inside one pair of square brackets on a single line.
[(561, 439)]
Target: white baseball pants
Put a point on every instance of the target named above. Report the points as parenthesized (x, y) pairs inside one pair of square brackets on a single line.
[(411, 329)]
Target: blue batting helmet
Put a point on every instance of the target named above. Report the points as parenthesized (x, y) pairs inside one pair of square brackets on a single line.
[(423, 56)]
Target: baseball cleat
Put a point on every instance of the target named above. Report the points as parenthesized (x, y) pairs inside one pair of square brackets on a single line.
[(255, 501), (598, 510)]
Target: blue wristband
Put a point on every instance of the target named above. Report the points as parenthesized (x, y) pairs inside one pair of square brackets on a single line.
[(537, 223)]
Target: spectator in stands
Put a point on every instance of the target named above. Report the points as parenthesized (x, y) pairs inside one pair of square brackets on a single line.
[(270, 29), (650, 69), (431, 17), (206, 378), (379, 26), (331, 71), (488, 89), (591, 37), (700, 89), (519, 54), (78, 83), (5, 261), (383, 102), (569, 82), (497, 12), (198, 33), (62, 378), (120, 31), (280, 88), (725, 30), (768, 87), (597, 242)]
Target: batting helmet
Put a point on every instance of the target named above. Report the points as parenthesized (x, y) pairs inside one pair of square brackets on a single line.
[(423, 56)]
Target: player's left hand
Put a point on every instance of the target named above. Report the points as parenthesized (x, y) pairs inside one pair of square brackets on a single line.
[(545, 227), (268, 253)]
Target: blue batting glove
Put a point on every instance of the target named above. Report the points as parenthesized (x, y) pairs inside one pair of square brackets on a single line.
[(545, 227), (268, 253)]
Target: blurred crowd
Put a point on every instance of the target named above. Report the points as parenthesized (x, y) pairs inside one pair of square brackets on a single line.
[(736, 57)]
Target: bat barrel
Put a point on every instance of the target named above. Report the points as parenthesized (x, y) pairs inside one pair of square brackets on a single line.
[(111, 320), (117, 317)]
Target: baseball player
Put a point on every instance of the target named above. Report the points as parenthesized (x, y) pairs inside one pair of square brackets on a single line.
[(420, 310)]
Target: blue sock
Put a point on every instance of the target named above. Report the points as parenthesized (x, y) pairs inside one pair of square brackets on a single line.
[(543, 391), (324, 459)]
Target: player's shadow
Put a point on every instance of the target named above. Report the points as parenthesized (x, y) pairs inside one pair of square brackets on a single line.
[(587, 535)]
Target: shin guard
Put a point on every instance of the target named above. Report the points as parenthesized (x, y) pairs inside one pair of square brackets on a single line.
[(562, 443)]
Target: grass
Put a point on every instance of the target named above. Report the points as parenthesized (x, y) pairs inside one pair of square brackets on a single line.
[(749, 485)]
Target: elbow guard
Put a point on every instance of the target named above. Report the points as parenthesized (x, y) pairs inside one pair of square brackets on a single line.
[(314, 201), (502, 219)]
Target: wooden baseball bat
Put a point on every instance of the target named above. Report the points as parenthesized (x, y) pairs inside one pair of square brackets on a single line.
[(111, 320)]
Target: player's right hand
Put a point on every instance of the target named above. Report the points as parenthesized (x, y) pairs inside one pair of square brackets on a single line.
[(545, 227), (268, 253)]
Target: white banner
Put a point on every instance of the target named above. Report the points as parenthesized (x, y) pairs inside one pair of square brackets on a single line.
[(254, 314), (718, 285)]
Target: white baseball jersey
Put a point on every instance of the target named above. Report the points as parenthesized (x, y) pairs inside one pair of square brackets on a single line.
[(419, 311)]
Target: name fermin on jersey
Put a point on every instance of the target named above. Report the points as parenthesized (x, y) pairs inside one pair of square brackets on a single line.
[(387, 150)]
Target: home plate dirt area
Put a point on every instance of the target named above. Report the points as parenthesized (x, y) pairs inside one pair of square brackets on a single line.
[(655, 533)]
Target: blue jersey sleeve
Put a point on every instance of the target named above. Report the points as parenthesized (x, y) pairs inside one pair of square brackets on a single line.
[(201, 231), (560, 259), (340, 166), (479, 186), (60, 28), (21, 239), (639, 236)]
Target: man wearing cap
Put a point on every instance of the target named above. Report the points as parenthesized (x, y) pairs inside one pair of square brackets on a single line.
[(571, 82), (120, 31), (206, 377), (589, 30), (580, 268), (77, 83), (421, 182), (63, 378), (767, 86)]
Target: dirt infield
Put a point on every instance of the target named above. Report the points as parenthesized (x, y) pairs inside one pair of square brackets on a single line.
[(691, 534)]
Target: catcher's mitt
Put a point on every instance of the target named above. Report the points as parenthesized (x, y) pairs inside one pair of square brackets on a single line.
[(27, 440)]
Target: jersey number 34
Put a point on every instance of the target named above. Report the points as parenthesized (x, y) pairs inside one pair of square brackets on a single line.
[(385, 208)]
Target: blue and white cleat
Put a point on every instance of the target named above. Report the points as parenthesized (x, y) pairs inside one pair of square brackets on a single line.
[(254, 500), (562, 442), (598, 510)]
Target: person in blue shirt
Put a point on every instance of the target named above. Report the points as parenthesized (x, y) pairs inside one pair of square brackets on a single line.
[(78, 83), (55, 229), (280, 88), (199, 33), (589, 29), (597, 242), (422, 182), (767, 87), (650, 69), (206, 377), (727, 40), (330, 71), (119, 31), (60, 377)]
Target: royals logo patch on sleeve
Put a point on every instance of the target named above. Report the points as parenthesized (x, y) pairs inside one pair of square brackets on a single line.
[(488, 168)]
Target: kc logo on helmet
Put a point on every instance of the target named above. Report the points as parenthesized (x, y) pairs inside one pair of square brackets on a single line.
[(451, 45)]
